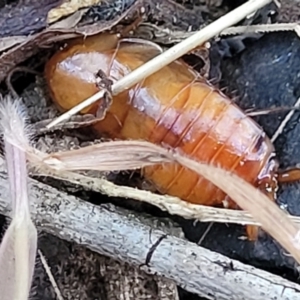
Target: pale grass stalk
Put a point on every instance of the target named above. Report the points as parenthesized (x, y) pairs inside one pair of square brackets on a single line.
[(50, 276), (19, 244), (262, 28), (162, 60), (114, 155), (274, 221)]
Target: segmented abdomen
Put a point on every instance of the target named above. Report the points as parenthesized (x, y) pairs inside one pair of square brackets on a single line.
[(173, 108), (204, 124)]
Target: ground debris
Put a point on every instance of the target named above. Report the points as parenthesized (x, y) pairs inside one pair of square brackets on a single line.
[(25, 17), (83, 274), (289, 11)]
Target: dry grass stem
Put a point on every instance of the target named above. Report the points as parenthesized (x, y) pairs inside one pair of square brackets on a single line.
[(121, 235), (120, 155), (268, 214), (170, 55), (263, 28), (272, 218), (172, 205), (284, 122), (19, 244), (207, 230), (50, 276), (108, 156)]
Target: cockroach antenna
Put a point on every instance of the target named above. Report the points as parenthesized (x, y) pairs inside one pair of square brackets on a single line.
[(19, 244)]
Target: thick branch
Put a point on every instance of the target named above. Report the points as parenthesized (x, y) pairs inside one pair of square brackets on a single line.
[(120, 235)]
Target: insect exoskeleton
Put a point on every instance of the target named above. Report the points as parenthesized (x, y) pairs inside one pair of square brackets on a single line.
[(174, 107)]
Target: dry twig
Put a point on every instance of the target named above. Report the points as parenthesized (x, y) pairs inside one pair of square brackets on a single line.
[(267, 213), (282, 125), (118, 234), (120, 155), (50, 276), (264, 28)]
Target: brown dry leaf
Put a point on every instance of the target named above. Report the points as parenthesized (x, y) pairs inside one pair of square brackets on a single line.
[(69, 7), (70, 21), (10, 41), (30, 47), (32, 44)]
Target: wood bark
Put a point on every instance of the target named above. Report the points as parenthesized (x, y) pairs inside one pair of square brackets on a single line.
[(121, 235)]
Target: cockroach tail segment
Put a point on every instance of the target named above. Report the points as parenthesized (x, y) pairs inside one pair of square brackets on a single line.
[(174, 107)]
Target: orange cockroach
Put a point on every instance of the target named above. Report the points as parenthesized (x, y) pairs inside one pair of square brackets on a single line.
[(174, 107)]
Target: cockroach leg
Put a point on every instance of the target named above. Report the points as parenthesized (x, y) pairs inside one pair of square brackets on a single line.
[(74, 122), (252, 232), (203, 53), (260, 112), (269, 186), (103, 82), (289, 175)]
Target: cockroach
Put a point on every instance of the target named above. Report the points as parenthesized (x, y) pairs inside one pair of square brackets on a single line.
[(175, 107)]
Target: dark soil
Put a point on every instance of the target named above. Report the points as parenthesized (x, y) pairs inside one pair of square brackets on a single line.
[(264, 73)]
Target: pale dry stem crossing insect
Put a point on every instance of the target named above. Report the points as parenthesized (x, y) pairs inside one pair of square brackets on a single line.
[(19, 244)]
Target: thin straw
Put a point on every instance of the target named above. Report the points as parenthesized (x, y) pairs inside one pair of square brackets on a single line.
[(170, 55)]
